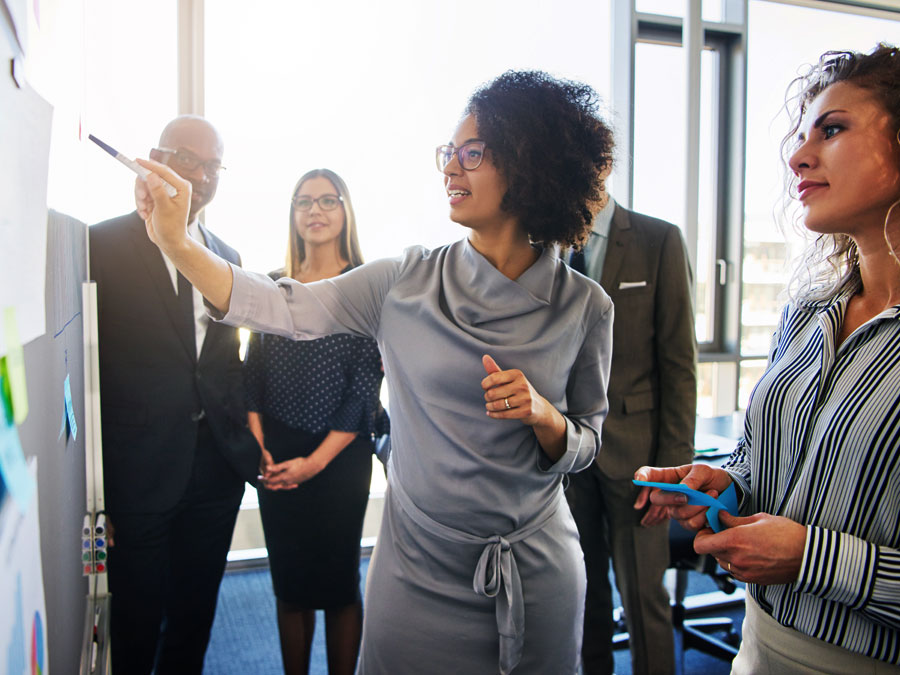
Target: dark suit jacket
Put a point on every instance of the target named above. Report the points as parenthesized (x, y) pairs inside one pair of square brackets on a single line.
[(152, 388), (652, 383)]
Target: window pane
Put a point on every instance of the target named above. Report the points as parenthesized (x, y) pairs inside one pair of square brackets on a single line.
[(663, 7), (716, 388), (659, 156), (773, 29), (705, 399), (392, 86), (119, 106), (712, 9), (705, 276), (751, 371), (110, 69), (659, 131)]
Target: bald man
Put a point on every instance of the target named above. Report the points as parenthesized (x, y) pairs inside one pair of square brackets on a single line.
[(176, 451)]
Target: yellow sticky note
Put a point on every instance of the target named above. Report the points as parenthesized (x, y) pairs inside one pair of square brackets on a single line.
[(14, 365)]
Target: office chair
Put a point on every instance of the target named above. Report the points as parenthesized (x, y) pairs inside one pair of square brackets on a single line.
[(700, 633), (704, 633)]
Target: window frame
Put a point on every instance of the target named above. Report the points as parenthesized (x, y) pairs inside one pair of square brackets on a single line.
[(728, 39)]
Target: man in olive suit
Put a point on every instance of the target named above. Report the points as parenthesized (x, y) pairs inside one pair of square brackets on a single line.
[(642, 263)]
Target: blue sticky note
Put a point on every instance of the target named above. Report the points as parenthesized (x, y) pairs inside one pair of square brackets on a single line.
[(727, 500), (13, 469), (70, 409)]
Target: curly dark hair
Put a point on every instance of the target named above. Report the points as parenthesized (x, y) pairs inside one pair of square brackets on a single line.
[(832, 262), (547, 139)]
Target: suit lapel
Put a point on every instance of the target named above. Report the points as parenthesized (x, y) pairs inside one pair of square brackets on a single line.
[(153, 261), (619, 237)]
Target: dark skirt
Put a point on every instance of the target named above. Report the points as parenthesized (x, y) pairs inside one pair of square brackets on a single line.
[(313, 532)]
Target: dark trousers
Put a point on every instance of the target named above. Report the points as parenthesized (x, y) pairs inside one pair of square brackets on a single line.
[(609, 527), (165, 570)]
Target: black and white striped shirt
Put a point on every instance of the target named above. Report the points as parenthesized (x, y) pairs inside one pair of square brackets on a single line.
[(822, 447)]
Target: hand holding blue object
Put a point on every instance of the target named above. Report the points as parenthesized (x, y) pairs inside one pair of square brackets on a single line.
[(727, 500)]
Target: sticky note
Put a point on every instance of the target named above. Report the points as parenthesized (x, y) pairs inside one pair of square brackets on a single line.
[(13, 365), (13, 469), (70, 408), (6, 412), (727, 500)]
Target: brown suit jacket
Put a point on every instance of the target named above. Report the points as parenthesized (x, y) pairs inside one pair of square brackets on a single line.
[(653, 383)]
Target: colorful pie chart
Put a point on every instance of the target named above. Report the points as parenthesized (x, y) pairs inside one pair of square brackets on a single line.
[(37, 645)]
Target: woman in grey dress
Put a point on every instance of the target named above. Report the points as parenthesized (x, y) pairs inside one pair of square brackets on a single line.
[(496, 356)]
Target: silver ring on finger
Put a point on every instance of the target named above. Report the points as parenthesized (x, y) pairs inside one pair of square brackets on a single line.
[(506, 401)]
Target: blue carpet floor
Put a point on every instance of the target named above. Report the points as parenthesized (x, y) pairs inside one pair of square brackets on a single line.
[(245, 635)]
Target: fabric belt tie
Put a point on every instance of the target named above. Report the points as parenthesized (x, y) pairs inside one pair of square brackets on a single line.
[(496, 574), (496, 571)]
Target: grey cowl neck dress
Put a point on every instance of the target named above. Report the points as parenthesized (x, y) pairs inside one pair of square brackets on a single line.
[(478, 568)]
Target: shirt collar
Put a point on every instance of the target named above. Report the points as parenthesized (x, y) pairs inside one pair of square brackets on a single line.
[(837, 305), (603, 219)]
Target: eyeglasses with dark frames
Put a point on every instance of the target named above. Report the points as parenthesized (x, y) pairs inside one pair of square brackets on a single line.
[(188, 161), (470, 155), (325, 202)]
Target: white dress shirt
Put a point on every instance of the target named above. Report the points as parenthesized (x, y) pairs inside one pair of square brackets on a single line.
[(595, 249)]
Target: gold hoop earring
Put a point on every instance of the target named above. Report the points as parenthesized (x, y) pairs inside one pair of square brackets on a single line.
[(887, 217), (887, 240)]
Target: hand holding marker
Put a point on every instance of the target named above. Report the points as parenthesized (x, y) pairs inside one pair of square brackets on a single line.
[(131, 164)]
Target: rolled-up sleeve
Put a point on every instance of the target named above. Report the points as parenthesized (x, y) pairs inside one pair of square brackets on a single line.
[(586, 397)]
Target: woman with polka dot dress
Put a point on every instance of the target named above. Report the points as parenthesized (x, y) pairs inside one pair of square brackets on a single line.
[(314, 408)]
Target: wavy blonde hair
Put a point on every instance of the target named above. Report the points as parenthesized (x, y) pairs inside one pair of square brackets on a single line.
[(349, 242), (831, 262)]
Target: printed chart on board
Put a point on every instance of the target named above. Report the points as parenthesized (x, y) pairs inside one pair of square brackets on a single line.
[(23, 623)]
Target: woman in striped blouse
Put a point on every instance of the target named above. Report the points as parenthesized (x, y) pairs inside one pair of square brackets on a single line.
[(818, 469)]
